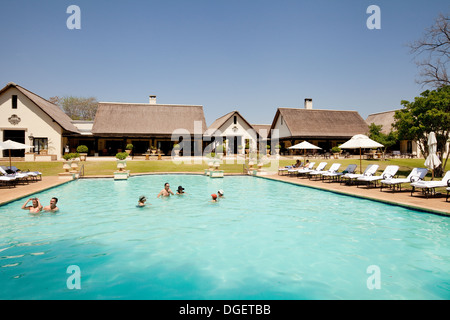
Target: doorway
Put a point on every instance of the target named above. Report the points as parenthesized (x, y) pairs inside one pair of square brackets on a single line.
[(17, 136)]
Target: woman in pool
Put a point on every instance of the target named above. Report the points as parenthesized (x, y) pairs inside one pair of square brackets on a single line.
[(141, 202), (180, 190)]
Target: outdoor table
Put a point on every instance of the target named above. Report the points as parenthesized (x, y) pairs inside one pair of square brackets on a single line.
[(147, 156)]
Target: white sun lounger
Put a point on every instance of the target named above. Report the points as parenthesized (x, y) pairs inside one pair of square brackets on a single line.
[(320, 167), (18, 176), (7, 180), (301, 171), (334, 167), (350, 169), (416, 174), (31, 174), (370, 171), (428, 187), (388, 173)]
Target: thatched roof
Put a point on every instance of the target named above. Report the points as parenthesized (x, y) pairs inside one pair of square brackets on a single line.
[(52, 110), (262, 129), (220, 121), (133, 119), (321, 124), (386, 119)]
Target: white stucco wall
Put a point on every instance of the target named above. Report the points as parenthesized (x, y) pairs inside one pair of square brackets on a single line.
[(32, 119)]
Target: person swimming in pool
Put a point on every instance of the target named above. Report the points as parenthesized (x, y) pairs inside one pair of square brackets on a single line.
[(166, 192), (36, 206), (180, 190), (214, 198), (141, 202), (220, 193), (52, 206)]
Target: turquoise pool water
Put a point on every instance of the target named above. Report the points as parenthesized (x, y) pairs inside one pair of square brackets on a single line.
[(264, 240)]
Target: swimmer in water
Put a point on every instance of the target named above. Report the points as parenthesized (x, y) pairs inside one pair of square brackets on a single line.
[(141, 202), (36, 206), (52, 206), (166, 192), (214, 198)]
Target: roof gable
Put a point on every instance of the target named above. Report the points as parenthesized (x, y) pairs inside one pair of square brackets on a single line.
[(52, 110), (218, 123)]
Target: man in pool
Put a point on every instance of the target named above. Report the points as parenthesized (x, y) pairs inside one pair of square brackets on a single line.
[(52, 206), (166, 192), (36, 206), (220, 193)]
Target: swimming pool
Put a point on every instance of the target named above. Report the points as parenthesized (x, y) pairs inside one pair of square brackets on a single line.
[(264, 240)]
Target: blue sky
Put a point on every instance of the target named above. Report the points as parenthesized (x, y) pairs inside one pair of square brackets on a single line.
[(249, 55)]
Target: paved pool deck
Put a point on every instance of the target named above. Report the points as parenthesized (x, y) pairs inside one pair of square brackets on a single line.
[(435, 204)]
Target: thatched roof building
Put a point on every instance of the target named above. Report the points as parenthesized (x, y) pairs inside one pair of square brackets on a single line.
[(318, 124), (145, 120), (386, 119)]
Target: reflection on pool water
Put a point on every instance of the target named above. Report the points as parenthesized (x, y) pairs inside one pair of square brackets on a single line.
[(264, 240)]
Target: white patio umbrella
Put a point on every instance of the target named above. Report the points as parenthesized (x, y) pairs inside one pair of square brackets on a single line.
[(13, 145), (432, 161), (305, 145), (360, 141)]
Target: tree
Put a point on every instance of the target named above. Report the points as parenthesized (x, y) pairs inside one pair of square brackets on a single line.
[(429, 112), (77, 108), (376, 134), (433, 53)]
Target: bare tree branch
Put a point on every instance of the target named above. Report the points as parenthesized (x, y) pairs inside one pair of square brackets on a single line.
[(434, 51)]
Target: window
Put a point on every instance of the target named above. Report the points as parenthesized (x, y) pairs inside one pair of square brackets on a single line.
[(14, 102), (40, 145), (235, 120)]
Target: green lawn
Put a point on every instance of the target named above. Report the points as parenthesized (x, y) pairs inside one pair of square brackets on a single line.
[(108, 167)]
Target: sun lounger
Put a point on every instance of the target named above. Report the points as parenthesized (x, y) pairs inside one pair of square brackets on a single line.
[(20, 177), (416, 174), (32, 174), (8, 181), (301, 171), (320, 167), (351, 177), (429, 187), (333, 175), (334, 167), (388, 173)]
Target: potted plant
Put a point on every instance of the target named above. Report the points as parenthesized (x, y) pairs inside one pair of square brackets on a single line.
[(75, 158), (66, 165), (83, 151), (176, 149), (153, 149), (336, 150), (268, 149), (247, 147), (277, 149), (128, 148)]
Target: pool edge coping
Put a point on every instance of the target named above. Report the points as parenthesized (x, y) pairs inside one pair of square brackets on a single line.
[(403, 205)]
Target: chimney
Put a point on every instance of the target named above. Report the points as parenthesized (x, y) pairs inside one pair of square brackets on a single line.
[(152, 100), (308, 103)]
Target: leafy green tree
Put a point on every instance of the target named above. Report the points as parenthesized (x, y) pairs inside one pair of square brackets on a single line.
[(77, 108), (376, 134), (429, 112)]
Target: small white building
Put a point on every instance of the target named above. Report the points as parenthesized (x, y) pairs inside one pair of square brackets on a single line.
[(235, 132), (28, 118)]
